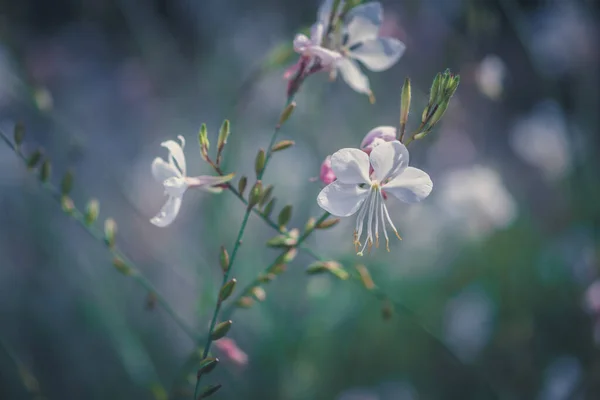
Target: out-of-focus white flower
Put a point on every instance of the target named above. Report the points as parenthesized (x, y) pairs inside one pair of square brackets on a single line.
[(230, 349), (490, 76), (172, 175), (377, 136), (468, 322), (362, 43), (541, 140), (359, 189), (476, 200), (560, 378)]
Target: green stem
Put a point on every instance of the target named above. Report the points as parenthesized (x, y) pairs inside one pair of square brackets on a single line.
[(237, 244), (97, 234)]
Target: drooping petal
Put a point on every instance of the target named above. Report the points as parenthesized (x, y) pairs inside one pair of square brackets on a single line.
[(167, 213), (176, 153), (411, 186), (351, 166), (387, 133), (162, 170), (378, 54), (341, 199), (316, 33), (175, 186), (353, 76), (363, 22), (388, 160)]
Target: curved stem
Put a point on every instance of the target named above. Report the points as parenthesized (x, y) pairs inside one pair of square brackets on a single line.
[(237, 244), (97, 234)]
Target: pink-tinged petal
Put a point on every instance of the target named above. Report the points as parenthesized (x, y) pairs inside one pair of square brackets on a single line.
[(363, 22), (230, 349), (379, 54), (353, 76), (340, 199), (389, 160), (327, 57), (351, 166), (386, 133), (326, 174), (176, 153), (205, 181), (301, 43), (162, 170), (411, 186), (167, 213)]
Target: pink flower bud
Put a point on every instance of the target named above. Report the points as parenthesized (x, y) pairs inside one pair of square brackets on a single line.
[(376, 136), (231, 351), (326, 175)]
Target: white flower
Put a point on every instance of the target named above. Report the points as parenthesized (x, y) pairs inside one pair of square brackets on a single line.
[(357, 189), (361, 43), (172, 175)]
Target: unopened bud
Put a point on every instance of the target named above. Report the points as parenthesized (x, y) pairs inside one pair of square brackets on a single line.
[(284, 216), (34, 159), (245, 302), (110, 232), (204, 143), (259, 293), (405, 103), (284, 144), (45, 171), (224, 259), (269, 207), (66, 185), (242, 185), (259, 162), (19, 134), (285, 115), (227, 289), (209, 391), (122, 267), (266, 196), (328, 223), (91, 211), (207, 366), (67, 204), (221, 330), (223, 135), (255, 194)]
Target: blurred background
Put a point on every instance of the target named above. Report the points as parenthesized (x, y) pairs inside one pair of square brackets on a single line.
[(499, 263)]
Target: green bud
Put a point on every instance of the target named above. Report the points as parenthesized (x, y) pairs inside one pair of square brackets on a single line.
[(45, 171), (224, 259), (67, 204), (266, 195), (245, 302), (207, 366), (227, 289), (284, 216), (66, 185), (282, 241), (221, 330), (284, 144), (439, 112), (259, 162), (204, 143), (310, 224), (91, 212), (209, 391), (328, 223), (289, 256), (405, 102), (269, 207), (110, 232), (242, 185), (285, 115), (316, 268), (435, 89), (277, 269), (332, 267), (19, 133), (258, 293), (122, 267), (255, 194), (34, 159), (223, 135)]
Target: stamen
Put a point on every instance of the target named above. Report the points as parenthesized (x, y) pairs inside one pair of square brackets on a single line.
[(376, 222), (372, 200), (381, 208), (390, 221)]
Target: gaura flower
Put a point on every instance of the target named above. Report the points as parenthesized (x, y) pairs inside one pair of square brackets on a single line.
[(361, 43), (172, 175), (311, 47), (377, 136), (361, 178)]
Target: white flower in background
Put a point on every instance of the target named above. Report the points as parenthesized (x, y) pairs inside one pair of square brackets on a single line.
[(172, 175), (476, 200), (361, 43), (358, 189), (541, 140), (490, 76)]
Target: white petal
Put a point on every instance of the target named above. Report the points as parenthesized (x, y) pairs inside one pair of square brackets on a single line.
[(353, 76), (301, 43), (162, 170), (388, 160), (411, 186), (324, 12), (363, 22), (168, 212), (316, 33), (387, 133), (378, 54), (327, 56), (351, 166), (175, 153), (341, 199)]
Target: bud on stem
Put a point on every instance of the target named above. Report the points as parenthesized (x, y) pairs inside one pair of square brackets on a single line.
[(404, 107)]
